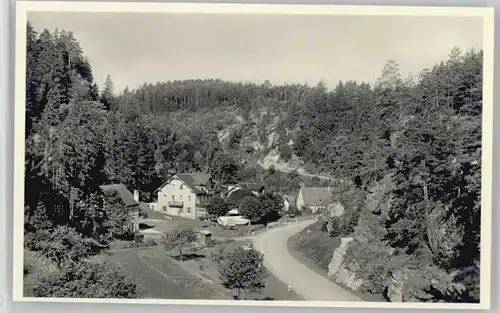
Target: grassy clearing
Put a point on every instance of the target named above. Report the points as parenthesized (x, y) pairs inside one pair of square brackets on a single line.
[(163, 277), (207, 267)]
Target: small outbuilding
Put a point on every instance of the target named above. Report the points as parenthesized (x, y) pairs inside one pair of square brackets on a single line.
[(205, 237)]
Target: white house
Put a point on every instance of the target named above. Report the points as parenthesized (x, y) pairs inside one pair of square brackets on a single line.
[(185, 194)]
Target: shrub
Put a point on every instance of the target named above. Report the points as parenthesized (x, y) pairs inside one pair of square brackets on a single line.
[(62, 243), (335, 226), (286, 152), (36, 262), (86, 279), (217, 207), (180, 239), (370, 262), (294, 211), (342, 226), (251, 207)]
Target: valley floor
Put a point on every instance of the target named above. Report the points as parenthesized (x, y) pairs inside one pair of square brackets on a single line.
[(163, 277)]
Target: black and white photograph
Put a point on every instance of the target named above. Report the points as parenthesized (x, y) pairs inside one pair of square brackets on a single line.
[(253, 154)]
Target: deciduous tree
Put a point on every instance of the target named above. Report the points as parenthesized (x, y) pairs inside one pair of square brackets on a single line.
[(243, 270)]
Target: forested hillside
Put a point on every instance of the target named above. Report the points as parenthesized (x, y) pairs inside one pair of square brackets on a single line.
[(421, 134)]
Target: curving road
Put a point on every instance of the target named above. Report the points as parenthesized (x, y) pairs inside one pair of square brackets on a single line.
[(304, 281)]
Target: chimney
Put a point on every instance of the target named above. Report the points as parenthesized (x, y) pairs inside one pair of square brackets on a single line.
[(136, 195)]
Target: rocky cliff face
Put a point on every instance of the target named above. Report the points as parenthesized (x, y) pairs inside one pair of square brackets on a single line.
[(337, 269)]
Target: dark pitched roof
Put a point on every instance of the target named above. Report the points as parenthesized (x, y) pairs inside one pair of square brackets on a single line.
[(126, 196), (316, 196), (193, 180)]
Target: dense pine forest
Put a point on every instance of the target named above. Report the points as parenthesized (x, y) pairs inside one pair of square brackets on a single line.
[(411, 147)]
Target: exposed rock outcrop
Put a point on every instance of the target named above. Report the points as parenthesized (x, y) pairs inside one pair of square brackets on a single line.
[(338, 272), (395, 286)]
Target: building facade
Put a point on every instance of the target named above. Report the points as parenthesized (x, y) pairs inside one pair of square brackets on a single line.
[(186, 194), (315, 199)]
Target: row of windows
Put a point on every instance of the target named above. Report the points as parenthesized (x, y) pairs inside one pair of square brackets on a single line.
[(181, 209), (173, 198)]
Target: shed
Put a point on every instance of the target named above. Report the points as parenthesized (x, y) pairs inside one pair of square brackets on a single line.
[(205, 236)]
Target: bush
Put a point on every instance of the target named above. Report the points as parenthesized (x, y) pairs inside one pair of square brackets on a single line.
[(370, 262), (286, 152), (294, 211), (181, 240), (222, 249), (335, 226), (87, 279), (217, 207), (342, 226), (36, 262), (61, 244)]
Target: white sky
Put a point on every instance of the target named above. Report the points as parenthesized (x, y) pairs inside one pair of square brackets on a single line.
[(135, 48)]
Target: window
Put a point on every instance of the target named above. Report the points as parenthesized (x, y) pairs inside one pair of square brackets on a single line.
[(173, 197), (181, 197), (164, 209), (182, 186), (189, 210)]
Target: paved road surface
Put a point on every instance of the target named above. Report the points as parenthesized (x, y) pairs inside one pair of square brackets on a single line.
[(304, 281)]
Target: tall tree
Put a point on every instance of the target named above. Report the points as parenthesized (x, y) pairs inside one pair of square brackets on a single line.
[(108, 94)]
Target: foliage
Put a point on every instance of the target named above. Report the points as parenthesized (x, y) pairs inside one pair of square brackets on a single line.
[(344, 225), (217, 207), (251, 207), (116, 215), (243, 270), (59, 245), (181, 239), (265, 208), (272, 206), (87, 279)]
